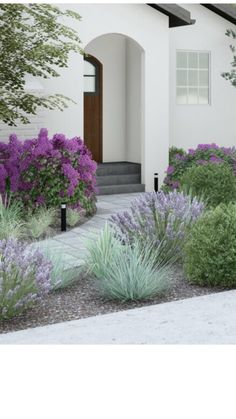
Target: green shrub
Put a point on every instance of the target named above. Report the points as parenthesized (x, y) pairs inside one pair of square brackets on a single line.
[(127, 272), (173, 151), (180, 161), (215, 183), (39, 222), (72, 217), (210, 250), (89, 204)]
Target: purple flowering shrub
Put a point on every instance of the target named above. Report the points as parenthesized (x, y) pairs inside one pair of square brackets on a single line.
[(24, 277), (159, 218), (48, 171), (180, 161)]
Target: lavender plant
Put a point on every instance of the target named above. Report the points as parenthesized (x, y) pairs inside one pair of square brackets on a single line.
[(158, 218), (24, 277)]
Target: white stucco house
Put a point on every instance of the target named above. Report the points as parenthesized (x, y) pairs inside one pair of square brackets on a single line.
[(151, 79)]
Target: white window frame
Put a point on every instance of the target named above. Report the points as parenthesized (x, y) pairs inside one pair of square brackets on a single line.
[(188, 86)]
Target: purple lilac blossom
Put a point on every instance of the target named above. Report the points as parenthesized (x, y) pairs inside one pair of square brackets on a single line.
[(201, 161), (180, 157), (207, 146), (3, 176), (59, 141), (215, 159), (175, 184), (170, 170), (59, 156), (40, 200)]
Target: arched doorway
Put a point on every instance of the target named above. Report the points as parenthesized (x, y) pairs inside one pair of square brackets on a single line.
[(93, 106), (121, 96)]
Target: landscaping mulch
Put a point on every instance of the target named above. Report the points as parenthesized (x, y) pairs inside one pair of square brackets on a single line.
[(83, 299)]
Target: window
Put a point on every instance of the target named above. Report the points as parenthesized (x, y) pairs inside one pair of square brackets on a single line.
[(89, 77), (192, 77)]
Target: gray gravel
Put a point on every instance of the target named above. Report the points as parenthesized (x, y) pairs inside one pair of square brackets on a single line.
[(83, 299)]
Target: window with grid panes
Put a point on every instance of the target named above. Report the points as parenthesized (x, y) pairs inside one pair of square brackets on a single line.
[(192, 78)]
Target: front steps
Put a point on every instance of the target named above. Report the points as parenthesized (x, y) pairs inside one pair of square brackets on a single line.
[(119, 177)]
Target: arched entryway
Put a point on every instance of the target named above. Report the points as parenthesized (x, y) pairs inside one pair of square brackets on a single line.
[(114, 98), (93, 106)]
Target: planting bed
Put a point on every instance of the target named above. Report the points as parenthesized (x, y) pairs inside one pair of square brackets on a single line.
[(83, 299), (55, 229)]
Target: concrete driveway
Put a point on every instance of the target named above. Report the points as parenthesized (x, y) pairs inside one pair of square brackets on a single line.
[(210, 319)]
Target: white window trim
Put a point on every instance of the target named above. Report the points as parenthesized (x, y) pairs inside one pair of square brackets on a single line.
[(209, 78)]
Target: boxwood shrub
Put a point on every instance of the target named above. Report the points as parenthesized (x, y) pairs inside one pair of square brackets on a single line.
[(210, 250), (215, 183)]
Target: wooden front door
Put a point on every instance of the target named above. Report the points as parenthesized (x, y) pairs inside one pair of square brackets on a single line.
[(93, 106)]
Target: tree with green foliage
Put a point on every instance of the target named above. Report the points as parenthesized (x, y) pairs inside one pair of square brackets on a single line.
[(34, 40), (231, 75)]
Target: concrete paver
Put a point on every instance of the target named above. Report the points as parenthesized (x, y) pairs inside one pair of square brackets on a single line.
[(71, 245)]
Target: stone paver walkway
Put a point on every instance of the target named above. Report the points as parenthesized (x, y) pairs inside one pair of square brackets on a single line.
[(71, 245), (210, 319)]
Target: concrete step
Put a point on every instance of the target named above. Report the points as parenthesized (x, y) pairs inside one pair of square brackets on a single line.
[(117, 189), (118, 168), (118, 179)]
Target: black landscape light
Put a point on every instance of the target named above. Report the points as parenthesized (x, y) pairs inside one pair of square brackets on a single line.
[(156, 182), (63, 217)]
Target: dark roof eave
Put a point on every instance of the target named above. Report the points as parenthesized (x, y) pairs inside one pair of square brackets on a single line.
[(178, 16), (227, 11)]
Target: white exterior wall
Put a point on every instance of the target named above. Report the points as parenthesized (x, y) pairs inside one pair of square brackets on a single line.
[(135, 67), (150, 30), (194, 124)]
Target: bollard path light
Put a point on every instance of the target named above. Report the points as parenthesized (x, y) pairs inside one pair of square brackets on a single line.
[(156, 182), (63, 217)]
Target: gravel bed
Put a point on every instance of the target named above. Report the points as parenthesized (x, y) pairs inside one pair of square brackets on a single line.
[(83, 299)]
